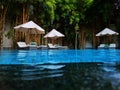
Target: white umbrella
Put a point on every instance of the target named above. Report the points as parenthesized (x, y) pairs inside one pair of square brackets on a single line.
[(53, 34), (107, 31), (30, 27)]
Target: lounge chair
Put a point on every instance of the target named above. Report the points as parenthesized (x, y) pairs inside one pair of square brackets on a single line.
[(42, 47), (51, 46), (61, 47), (22, 45), (103, 46), (112, 46), (33, 45)]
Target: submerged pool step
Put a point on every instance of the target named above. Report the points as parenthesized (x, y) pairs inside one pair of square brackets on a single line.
[(31, 72)]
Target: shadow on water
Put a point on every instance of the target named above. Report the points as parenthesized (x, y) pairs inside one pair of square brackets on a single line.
[(72, 76)]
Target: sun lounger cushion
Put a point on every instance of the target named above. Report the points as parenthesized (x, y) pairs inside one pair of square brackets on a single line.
[(51, 46), (22, 44), (112, 46)]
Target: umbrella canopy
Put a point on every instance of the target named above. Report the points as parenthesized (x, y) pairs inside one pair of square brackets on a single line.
[(53, 33), (107, 31), (30, 27)]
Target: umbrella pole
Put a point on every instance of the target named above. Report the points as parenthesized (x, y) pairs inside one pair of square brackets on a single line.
[(28, 37), (46, 41)]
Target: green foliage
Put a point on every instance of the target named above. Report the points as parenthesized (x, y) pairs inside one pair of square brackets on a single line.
[(76, 27), (50, 4), (89, 3), (26, 1), (65, 15), (10, 33)]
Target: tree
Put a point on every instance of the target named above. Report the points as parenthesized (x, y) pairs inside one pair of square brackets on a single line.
[(67, 16), (3, 11), (99, 15)]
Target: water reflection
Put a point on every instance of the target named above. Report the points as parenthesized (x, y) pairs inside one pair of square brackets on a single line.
[(35, 57), (21, 55), (72, 76)]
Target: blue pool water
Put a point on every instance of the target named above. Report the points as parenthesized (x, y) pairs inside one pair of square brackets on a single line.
[(58, 56), (88, 69)]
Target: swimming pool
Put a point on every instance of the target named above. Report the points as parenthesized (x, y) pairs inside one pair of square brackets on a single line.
[(60, 69), (58, 56)]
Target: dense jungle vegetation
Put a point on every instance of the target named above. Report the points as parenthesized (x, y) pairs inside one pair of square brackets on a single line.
[(82, 17)]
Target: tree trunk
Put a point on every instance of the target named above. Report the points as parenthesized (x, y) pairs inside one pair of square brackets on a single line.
[(25, 13), (2, 20), (94, 40), (24, 18), (82, 39)]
